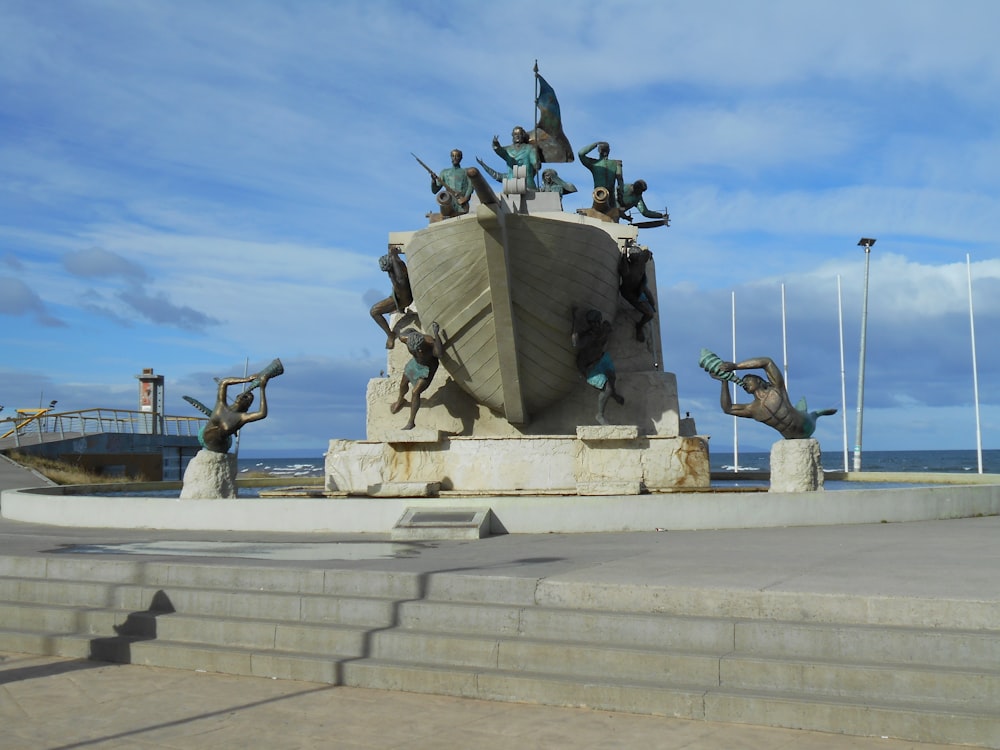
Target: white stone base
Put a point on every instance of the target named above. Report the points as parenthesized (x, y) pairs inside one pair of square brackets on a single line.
[(599, 460), (796, 466), (210, 475)]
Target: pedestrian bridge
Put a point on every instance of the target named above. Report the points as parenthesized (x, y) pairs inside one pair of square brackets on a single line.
[(111, 441)]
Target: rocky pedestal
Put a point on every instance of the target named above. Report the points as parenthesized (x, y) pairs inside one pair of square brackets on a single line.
[(209, 476), (796, 466)]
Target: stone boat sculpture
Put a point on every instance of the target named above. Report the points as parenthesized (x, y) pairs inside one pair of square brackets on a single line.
[(508, 410), (501, 282)]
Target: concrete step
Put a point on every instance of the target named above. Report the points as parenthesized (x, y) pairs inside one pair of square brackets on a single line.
[(962, 689), (527, 656), (47, 618), (348, 610), (607, 694), (943, 724), (486, 637), (894, 645), (654, 631)]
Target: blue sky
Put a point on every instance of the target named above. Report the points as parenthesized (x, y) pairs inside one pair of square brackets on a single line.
[(190, 186)]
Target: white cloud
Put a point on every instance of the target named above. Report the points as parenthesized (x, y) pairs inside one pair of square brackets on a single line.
[(203, 183)]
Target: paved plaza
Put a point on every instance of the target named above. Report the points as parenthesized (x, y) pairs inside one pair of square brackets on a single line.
[(55, 703), (61, 704)]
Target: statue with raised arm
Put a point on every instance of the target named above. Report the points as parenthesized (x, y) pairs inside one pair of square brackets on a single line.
[(607, 172), (419, 371), (590, 338), (770, 405), (519, 153), (634, 286), (498, 176), (226, 419), (401, 297)]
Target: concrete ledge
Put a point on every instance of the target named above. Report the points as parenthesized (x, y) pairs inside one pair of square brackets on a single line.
[(416, 435), (609, 488), (404, 489), (521, 514), (596, 433)]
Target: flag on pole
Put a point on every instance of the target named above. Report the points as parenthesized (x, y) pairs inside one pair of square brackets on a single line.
[(549, 136)]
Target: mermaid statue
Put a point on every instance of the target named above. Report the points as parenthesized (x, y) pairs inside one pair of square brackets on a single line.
[(771, 405)]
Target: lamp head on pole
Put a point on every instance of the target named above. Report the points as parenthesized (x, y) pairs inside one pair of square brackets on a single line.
[(866, 243)]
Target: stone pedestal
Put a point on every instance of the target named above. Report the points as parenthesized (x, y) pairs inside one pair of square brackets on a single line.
[(460, 446), (598, 460), (796, 466), (209, 476)]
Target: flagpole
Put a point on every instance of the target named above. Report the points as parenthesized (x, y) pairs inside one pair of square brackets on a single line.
[(246, 368), (843, 379), (784, 335), (736, 435), (534, 109), (975, 375), (534, 104)]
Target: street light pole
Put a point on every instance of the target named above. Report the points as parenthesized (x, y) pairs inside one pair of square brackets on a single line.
[(866, 243)]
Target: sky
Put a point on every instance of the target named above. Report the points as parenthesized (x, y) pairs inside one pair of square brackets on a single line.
[(199, 188)]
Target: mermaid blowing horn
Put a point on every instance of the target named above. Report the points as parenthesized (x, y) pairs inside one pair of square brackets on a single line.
[(711, 363)]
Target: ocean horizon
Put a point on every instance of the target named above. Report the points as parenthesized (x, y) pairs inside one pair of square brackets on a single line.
[(946, 461)]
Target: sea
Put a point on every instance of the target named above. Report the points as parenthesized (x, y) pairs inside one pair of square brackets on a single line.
[(303, 466), (947, 461)]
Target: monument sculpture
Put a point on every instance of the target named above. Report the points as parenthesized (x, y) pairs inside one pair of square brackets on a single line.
[(590, 338), (634, 286), (212, 472), (493, 296), (400, 298), (795, 461), (607, 172), (632, 197), (771, 404), (419, 371), (553, 183), (452, 186), (519, 153)]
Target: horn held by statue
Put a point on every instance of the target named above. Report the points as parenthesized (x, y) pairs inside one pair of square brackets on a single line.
[(273, 370)]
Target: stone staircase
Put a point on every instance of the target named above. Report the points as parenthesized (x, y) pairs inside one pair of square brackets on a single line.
[(513, 639)]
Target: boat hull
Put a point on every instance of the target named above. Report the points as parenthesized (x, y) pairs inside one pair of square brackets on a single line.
[(502, 287)]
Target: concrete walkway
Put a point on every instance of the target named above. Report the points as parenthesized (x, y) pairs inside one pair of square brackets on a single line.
[(56, 703), (15, 476)]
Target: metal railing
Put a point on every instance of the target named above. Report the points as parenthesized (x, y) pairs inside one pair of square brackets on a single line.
[(40, 425)]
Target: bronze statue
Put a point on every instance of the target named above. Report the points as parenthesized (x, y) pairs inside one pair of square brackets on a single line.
[(635, 286), (771, 405), (519, 153), (631, 197), (590, 338), (607, 172), (419, 371), (226, 419), (456, 183), (401, 298), (553, 183), (452, 186)]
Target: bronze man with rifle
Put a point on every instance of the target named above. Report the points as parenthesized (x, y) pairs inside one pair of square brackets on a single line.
[(452, 186)]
